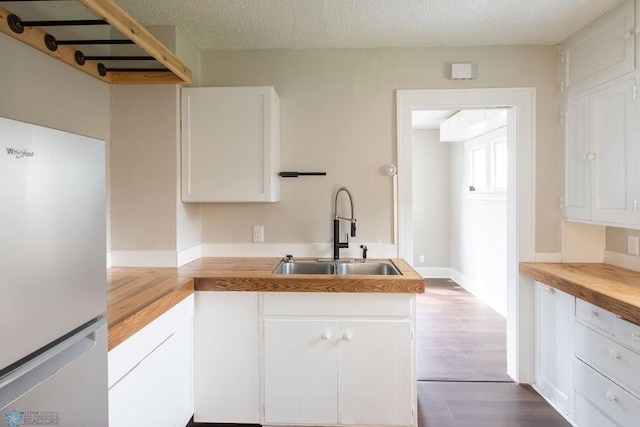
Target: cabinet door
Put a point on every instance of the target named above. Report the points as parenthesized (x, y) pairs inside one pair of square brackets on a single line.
[(613, 141), (157, 392), (375, 373), (226, 358), (300, 371), (554, 352), (601, 52), (577, 173), (230, 144)]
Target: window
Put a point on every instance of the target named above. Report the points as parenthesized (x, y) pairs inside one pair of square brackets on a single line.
[(486, 160)]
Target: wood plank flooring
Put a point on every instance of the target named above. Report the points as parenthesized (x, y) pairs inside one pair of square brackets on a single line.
[(459, 337), (481, 404), (462, 343)]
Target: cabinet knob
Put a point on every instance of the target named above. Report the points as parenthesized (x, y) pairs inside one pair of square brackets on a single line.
[(635, 337), (629, 34), (590, 156), (611, 397), (326, 336), (614, 355), (347, 336), (593, 313), (549, 290)]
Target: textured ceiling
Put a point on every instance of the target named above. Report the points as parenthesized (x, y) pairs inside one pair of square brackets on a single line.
[(268, 24)]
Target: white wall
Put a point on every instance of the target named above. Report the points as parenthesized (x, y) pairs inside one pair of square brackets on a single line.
[(478, 238), (338, 115), (431, 191), (144, 126)]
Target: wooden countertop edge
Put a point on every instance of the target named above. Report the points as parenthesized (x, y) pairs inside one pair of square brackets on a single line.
[(125, 328), (582, 290), (309, 283)]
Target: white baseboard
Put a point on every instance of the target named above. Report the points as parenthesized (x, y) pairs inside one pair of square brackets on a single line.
[(479, 291), (632, 262), (548, 257), (434, 272), (143, 258), (185, 256), (313, 250)]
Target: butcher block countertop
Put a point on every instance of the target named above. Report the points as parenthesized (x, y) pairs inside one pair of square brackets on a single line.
[(613, 288), (256, 274), (138, 295)]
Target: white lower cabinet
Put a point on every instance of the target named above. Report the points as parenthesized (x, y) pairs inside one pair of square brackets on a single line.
[(329, 364), (301, 369), (554, 323), (226, 360), (150, 374), (606, 363)]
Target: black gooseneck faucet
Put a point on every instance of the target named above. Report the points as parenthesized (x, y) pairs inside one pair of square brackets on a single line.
[(337, 244)]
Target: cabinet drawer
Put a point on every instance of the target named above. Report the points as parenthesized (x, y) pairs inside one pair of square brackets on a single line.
[(595, 316), (587, 415), (610, 398), (130, 352), (628, 333), (607, 356), (337, 304)]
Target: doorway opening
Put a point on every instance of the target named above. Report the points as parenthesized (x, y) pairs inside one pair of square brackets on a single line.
[(459, 171), (520, 105)]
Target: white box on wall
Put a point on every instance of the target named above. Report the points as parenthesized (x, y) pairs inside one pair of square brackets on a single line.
[(464, 71)]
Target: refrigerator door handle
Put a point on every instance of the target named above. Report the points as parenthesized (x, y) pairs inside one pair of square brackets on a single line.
[(29, 374)]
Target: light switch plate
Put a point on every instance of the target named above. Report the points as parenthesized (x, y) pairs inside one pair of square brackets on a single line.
[(258, 234), (632, 245)]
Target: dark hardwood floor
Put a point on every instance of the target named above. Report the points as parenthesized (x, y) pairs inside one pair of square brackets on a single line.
[(461, 364), (483, 404), (459, 337)]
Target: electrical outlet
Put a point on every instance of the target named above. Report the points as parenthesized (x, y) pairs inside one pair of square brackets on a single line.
[(632, 245), (258, 234), (421, 258)]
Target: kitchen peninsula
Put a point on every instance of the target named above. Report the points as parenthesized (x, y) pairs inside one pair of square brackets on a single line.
[(312, 338)]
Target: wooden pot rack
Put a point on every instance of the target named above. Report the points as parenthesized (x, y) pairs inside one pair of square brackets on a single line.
[(167, 68)]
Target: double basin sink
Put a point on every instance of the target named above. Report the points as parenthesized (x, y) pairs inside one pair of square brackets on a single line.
[(376, 268)]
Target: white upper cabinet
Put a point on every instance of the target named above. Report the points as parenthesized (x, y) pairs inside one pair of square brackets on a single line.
[(601, 52), (601, 156), (230, 144)]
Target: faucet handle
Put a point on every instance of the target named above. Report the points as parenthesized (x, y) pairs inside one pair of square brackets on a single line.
[(364, 252)]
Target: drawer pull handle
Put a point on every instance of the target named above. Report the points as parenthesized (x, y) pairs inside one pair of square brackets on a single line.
[(635, 337), (347, 336), (593, 313), (611, 397), (614, 355), (326, 336)]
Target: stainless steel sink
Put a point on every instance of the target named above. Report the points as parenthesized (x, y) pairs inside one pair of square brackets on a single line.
[(368, 268), (305, 267), (375, 268)]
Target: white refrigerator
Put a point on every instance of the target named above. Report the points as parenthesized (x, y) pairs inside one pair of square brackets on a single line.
[(53, 345)]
